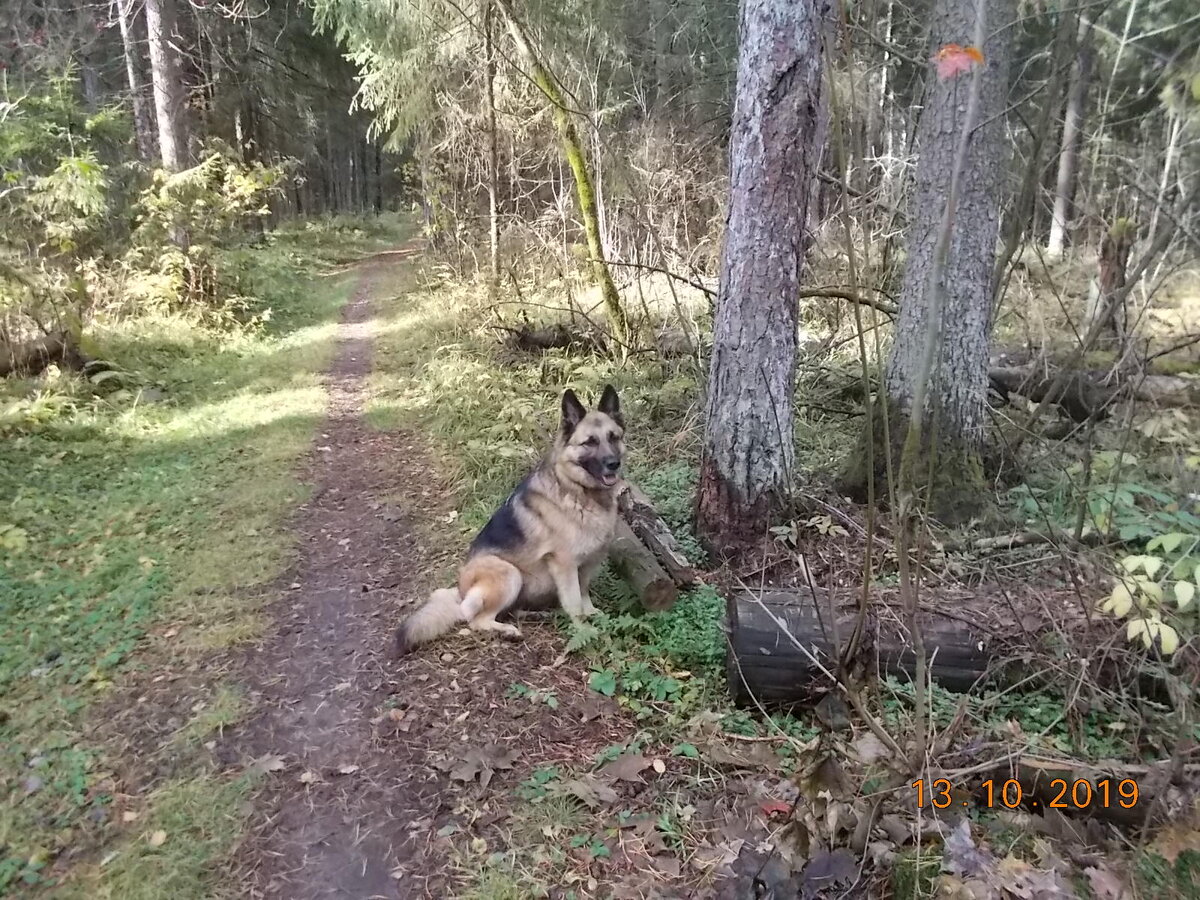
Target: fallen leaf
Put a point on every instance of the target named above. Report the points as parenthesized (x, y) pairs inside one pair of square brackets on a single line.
[(775, 808), (129, 816), (667, 866), (1105, 884), (754, 756), (960, 856), (869, 748), (158, 838), (659, 766), (626, 767), (308, 777), (589, 789), (481, 763), (269, 763), (348, 769), (829, 870)]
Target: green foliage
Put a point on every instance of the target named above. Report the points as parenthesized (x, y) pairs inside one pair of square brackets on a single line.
[(188, 221), (538, 784), (672, 487), (1042, 716), (517, 690), (1169, 880), (1117, 499)]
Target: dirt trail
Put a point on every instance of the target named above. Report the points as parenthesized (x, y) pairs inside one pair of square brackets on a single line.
[(365, 754), (334, 821)]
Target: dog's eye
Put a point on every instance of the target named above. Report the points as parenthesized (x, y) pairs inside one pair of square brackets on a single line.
[(592, 441), (613, 437)]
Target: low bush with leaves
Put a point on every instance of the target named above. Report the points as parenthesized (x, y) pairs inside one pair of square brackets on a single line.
[(84, 230)]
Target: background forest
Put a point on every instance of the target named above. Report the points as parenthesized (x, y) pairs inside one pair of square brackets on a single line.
[(903, 304)]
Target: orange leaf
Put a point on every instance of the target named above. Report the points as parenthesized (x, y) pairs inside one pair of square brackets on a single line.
[(952, 60)]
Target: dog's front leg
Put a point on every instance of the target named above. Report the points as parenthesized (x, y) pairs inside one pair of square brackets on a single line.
[(586, 573), (566, 581)]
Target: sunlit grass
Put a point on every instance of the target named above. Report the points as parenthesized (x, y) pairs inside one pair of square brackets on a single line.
[(148, 513)]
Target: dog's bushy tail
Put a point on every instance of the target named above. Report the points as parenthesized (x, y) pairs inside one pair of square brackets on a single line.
[(438, 615)]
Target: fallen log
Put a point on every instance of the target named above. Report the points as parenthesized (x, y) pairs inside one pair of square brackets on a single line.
[(639, 514), (551, 337), (32, 357), (781, 648), (636, 565), (1086, 395)]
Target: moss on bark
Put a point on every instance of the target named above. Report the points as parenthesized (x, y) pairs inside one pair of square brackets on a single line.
[(947, 475)]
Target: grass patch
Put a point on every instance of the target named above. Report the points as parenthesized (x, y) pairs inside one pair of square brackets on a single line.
[(171, 852), (228, 706), (151, 501)]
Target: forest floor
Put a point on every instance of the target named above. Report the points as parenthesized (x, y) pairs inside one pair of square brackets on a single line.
[(207, 569), (362, 752)]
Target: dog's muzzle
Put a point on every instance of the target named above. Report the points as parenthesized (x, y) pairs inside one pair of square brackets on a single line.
[(610, 465)]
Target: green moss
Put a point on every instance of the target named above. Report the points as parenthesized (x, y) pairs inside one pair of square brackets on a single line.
[(946, 475)]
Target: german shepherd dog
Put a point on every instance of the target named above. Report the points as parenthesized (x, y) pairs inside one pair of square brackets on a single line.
[(546, 540)]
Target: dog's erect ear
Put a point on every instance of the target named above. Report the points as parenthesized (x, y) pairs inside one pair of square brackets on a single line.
[(572, 412), (610, 404)]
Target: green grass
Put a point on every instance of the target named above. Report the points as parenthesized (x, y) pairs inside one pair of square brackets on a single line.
[(227, 706), (197, 821), (148, 505)]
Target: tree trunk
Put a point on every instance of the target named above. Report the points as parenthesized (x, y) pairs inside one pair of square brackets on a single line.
[(378, 199), (169, 100), (1114, 261), (1064, 190), (573, 150), (662, 29), (489, 54), (143, 122), (775, 148), (937, 371)]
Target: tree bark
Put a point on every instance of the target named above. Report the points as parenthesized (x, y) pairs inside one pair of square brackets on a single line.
[(775, 148), (489, 53), (937, 369), (378, 179), (169, 100), (577, 160), (1064, 191), (1114, 263), (143, 121)]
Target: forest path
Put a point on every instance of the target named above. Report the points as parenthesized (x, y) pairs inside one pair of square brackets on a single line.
[(334, 819), (375, 767)]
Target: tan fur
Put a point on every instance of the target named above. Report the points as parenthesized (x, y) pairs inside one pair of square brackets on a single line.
[(566, 514)]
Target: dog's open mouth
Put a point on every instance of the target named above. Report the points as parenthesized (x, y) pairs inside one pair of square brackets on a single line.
[(608, 479)]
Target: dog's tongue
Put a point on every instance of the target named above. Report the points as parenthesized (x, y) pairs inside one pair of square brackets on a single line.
[(609, 479)]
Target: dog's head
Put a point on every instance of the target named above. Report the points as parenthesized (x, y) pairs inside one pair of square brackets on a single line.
[(591, 444)]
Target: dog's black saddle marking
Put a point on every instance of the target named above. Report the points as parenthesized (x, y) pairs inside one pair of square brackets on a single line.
[(503, 529)]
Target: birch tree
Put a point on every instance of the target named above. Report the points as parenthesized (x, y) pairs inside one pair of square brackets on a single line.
[(169, 95)]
